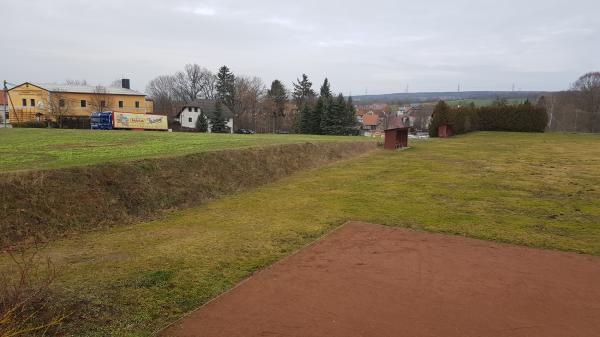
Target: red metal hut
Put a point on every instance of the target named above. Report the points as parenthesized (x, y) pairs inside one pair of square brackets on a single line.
[(396, 138)]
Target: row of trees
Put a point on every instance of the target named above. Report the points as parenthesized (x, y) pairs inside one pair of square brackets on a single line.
[(575, 110), (253, 104), (324, 114), (500, 116)]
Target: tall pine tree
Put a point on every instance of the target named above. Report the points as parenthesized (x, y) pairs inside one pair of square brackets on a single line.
[(278, 96), (304, 97), (202, 123), (303, 91), (218, 121), (323, 114), (306, 116), (350, 121), (226, 87)]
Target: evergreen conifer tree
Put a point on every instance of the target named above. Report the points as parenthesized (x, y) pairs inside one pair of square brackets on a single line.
[(316, 116), (441, 115), (202, 123), (278, 95), (218, 121), (226, 87), (305, 119), (350, 121), (323, 110), (303, 91)]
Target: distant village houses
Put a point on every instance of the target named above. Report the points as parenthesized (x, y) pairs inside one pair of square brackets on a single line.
[(374, 119)]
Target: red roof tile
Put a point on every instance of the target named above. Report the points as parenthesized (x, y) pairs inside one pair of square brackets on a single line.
[(370, 120)]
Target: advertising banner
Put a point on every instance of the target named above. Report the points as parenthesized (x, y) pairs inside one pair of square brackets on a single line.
[(125, 120)]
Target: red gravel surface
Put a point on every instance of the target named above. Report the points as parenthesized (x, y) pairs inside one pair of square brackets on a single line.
[(371, 280)]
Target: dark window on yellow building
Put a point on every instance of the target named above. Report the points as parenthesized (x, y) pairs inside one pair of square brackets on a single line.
[(24, 101), (103, 104), (120, 104), (83, 103), (137, 104), (32, 101), (61, 103)]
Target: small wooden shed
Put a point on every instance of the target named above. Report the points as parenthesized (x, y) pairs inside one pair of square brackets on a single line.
[(396, 138), (445, 131)]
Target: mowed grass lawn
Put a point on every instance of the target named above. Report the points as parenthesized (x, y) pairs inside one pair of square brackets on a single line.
[(34, 149), (540, 190)]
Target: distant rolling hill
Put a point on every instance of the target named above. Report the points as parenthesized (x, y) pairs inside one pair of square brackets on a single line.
[(448, 96)]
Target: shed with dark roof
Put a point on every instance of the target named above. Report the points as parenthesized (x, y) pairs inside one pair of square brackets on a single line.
[(396, 138)]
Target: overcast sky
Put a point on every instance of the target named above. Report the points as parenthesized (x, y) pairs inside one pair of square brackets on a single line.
[(379, 46)]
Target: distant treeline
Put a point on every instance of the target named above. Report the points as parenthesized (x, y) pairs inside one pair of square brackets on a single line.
[(254, 105), (500, 116), (420, 97)]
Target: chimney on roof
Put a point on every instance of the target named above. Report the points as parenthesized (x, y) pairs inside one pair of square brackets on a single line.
[(125, 83)]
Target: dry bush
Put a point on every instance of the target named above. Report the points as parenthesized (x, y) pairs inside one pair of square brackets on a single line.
[(25, 294)]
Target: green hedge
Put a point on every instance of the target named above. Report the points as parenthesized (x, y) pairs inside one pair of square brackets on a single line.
[(30, 124), (497, 117)]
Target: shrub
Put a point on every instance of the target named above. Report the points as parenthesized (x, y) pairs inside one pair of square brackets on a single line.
[(31, 124), (25, 295)]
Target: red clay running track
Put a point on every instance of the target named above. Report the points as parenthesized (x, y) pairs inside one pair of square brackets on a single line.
[(371, 280)]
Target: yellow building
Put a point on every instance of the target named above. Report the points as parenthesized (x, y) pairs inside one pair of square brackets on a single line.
[(40, 102)]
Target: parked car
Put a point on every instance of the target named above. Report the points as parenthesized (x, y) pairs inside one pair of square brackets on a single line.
[(282, 132), (245, 132)]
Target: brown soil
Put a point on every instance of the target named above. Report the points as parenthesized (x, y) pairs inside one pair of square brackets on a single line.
[(371, 280)]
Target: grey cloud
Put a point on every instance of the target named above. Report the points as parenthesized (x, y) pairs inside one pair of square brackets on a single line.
[(380, 45)]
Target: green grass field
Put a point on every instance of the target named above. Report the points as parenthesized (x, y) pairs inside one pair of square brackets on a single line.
[(539, 190), (34, 149)]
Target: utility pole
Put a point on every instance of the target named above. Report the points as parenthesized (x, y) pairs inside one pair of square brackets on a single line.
[(9, 100), (5, 93)]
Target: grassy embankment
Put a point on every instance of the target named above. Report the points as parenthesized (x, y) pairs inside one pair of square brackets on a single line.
[(35, 149), (97, 179), (540, 190)]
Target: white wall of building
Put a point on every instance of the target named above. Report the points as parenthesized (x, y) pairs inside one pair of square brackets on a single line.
[(189, 116), (3, 112)]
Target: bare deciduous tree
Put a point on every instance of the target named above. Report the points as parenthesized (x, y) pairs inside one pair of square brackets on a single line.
[(57, 105), (191, 84), (116, 83), (209, 87), (161, 89), (588, 87), (75, 82), (100, 99), (194, 82), (249, 92)]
